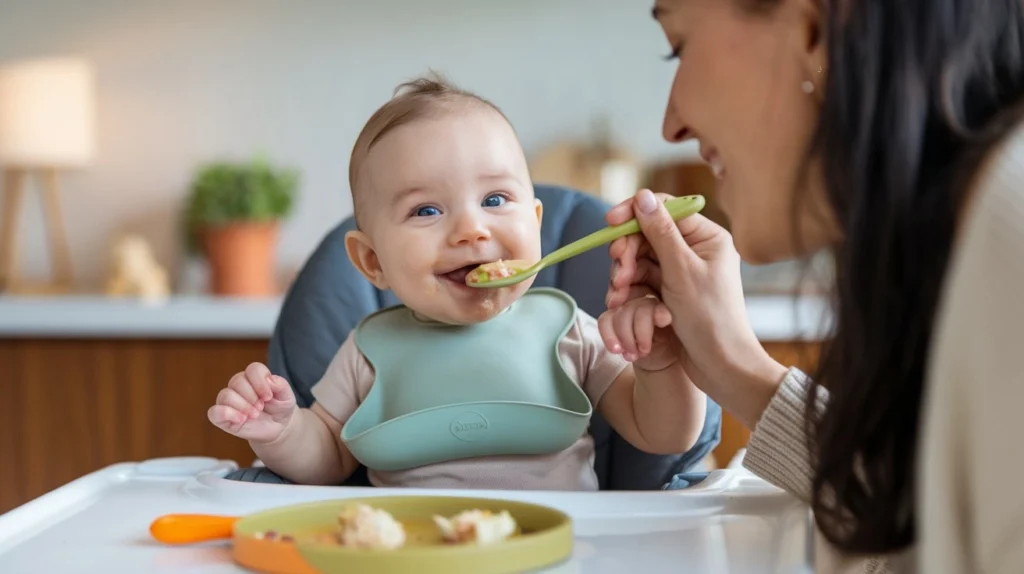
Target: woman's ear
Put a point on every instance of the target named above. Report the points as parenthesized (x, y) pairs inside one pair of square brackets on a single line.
[(364, 258), (809, 19), (540, 210)]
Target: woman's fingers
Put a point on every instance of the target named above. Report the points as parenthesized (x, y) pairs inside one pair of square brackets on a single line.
[(620, 213), (625, 209), (644, 273), (647, 272), (662, 233), (621, 296)]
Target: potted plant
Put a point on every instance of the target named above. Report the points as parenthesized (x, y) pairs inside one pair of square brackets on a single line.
[(233, 215)]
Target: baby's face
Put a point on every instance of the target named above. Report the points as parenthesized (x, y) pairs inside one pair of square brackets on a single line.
[(442, 196)]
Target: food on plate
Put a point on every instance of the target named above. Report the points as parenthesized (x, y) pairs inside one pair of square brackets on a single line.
[(479, 526), (362, 526), (496, 270), (273, 535)]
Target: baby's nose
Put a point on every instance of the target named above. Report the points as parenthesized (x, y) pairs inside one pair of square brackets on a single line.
[(469, 229)]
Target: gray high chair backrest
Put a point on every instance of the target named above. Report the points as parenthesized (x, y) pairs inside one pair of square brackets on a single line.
[(329, 297)]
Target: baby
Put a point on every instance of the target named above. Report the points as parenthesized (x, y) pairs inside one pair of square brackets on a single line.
[(439, 186)]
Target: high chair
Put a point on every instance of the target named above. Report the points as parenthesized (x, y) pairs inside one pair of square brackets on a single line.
[(329, 297)]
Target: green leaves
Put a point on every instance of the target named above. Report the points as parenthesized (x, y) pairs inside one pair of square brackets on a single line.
[(222, 193)]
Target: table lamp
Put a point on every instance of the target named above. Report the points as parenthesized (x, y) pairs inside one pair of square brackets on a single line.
[(46, 126)]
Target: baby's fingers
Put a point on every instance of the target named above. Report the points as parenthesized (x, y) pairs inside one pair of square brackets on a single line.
[(662, 316), (230, 398), (226, 418), (241, 385), (643, 327), (279, 388), (623, 325), (606, 326), (259, 377)]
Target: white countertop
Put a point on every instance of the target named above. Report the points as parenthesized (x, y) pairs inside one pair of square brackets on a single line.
[(98, 316), (774, 317)]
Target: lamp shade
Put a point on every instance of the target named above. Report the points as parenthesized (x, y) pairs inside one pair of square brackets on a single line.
[(47, 113)]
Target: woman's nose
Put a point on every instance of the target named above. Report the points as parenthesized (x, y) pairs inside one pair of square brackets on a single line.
[(469, 228), (672, 128)]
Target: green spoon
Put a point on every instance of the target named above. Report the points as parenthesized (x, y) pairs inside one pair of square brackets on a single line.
[(678, 208)]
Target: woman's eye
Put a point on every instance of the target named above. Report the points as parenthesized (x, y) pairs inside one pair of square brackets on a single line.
[(495, 200), (428, 211)]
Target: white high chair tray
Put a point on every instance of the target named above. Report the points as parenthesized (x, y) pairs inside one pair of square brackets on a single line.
[(733, 522)]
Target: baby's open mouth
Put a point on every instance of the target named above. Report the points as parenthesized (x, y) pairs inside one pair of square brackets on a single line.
[(459, 275)]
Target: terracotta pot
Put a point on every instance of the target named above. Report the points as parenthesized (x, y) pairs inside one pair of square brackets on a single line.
[(242, 258)]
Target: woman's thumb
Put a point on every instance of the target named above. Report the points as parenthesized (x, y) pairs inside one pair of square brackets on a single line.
[(660, 229)]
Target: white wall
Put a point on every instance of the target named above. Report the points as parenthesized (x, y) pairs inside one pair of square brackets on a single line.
[(186, 81)]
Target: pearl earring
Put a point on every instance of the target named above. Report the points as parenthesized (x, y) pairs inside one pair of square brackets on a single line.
[(807, 87)]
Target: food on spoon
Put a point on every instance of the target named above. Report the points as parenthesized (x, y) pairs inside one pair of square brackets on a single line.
[(496, 270), (479, 526), (363, 526)]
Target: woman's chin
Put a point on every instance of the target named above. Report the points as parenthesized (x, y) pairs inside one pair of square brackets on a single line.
[(758, 249)]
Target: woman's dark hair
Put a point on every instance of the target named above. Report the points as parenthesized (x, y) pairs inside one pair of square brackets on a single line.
[(917, 93)]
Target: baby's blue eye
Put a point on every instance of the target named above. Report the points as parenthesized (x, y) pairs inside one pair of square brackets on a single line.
[(495, 200), (427, 211)]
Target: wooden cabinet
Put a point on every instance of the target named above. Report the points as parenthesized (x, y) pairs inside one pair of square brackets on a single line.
[(72, 406)]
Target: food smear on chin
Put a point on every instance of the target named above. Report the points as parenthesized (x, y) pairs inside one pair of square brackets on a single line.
[(361, 526), (476, 527), (496, 270), (488, 303)]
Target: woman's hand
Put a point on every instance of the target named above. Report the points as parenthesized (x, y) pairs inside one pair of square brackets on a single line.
[(692, 266)]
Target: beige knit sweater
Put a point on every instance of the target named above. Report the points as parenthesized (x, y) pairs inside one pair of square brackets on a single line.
[(971, 462)]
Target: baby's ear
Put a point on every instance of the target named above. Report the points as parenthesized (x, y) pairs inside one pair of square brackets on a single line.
[(364, 258), (539, 206)]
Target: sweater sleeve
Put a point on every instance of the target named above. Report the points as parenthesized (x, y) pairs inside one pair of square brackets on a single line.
[(778, 452), (778, 448)]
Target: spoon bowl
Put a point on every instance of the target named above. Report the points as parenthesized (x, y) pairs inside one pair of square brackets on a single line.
[(508, 273)]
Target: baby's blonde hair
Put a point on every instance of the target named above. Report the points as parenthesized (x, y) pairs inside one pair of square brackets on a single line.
[(427, 96)]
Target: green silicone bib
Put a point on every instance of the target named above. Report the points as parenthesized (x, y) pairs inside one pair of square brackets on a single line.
[(447, 392)]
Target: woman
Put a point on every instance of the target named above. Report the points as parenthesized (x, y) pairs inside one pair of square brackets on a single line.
[(888, 132)]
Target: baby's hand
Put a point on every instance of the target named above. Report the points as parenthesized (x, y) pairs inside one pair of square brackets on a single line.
[(255, 405), (639, 331)]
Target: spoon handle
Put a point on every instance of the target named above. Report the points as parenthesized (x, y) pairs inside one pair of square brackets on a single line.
[(678, 208), (191, 528)]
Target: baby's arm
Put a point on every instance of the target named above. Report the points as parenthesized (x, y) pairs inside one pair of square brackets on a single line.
[(309, 450), (650, 403), (302, 445), (660, 412)]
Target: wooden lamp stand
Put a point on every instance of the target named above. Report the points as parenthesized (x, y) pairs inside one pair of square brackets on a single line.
[(14, 192)]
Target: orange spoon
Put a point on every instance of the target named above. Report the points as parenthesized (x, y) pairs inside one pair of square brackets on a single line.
[(191, 528)]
